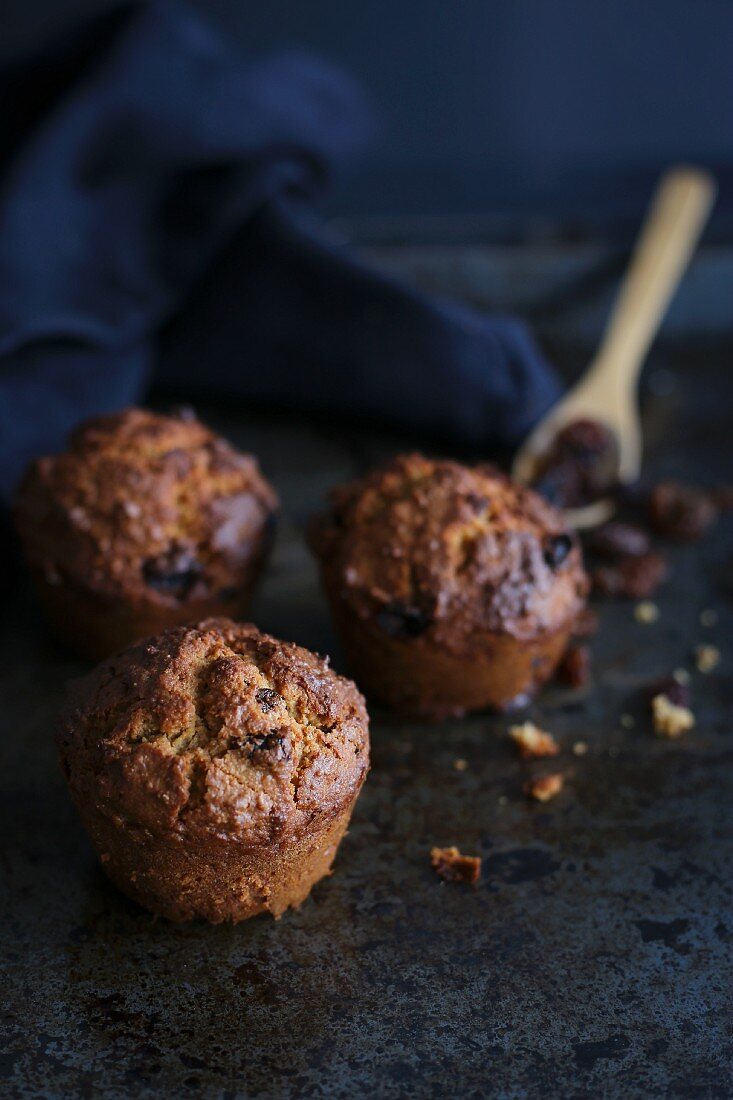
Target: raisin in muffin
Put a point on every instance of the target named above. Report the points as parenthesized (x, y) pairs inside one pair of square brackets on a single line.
[(145, 521), (453, 588), (215, 769)]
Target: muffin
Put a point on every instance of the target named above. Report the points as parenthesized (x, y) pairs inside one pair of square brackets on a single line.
[(144, 522), (215, 769), (453, 588)]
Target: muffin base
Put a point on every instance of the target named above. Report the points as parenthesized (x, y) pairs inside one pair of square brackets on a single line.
[(418, 679), (213, 878), (96, 627)]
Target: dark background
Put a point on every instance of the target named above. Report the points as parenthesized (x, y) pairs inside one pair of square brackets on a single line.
[(525, 112)]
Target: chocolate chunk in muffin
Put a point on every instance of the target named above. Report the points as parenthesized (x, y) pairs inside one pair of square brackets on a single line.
[(143, 522), (453, 587), (215, 769)]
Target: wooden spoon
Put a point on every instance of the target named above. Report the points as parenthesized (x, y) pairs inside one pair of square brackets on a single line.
[(607, 392)]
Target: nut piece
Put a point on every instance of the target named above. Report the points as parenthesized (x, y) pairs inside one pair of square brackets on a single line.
[(707, 657), (454, 867), (544, 787), (532, 741), (669, 719), (460, 764)]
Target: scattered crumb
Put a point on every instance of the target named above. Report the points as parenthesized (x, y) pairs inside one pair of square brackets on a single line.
[(503, 800), (669, 719), (454, 867), (580, 748), (544, 787), (574, 668), (460, 765), (646, 612), (708, 617), (707, 657), (614, 751), (627, 721), (682, 676), (532, 741)]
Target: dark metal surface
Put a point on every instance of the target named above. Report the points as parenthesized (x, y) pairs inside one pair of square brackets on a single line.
[(593, 957)]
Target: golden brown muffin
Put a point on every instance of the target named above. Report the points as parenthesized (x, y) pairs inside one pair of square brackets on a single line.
[(454, 589), (215, 769), (145, 521)]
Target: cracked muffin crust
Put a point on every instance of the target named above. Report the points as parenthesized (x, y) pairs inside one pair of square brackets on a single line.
[(143, 522), (215, 769), (453, 587)]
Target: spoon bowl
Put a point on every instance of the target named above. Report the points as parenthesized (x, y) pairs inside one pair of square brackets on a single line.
[(607, 391)]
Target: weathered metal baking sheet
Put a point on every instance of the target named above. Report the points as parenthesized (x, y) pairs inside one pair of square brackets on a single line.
[(593, 957)]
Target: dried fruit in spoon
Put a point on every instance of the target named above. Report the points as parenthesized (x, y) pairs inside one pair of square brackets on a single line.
[(580, 467)]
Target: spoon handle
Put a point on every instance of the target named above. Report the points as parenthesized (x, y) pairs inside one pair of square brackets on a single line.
[(673, 226)]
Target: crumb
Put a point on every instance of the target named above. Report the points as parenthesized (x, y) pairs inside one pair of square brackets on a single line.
[(460, 765), (586, 624), (681, 511), (627, 721), (574, 668), (708, 617), (450, 865), (614, 751), (532, 741), (502, 800), (646, 612), (580, 748), (544, 787), (707, 657), (670, 720), (682, 676)]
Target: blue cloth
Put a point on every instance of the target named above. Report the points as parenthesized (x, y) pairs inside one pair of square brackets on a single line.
[(157, 197)]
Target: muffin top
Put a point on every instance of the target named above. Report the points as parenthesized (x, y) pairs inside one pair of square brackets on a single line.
[(438, 549), (149, 507), (216, 729)]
